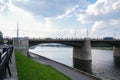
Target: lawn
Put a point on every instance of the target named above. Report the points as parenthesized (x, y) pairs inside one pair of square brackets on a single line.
[(30, 70)]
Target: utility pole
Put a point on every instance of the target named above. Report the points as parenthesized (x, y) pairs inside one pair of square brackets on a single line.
[(17, 29), (17, 34), (87, 32), (75, 33), (114, 35)]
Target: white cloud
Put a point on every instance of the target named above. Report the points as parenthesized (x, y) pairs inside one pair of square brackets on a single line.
[(104, 15), (3, 5), (25, 12), (68, 12), (49, 8), (109, 25), (101, 10), (106, 28)]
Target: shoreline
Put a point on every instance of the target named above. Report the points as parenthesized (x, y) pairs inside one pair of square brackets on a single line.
[(43, 59)]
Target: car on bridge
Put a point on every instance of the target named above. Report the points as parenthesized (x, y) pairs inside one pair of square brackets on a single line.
[(108, 38), (48, 38)]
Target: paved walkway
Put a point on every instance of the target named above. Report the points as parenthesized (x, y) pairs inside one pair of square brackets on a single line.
[(12, 69), (70, 72)]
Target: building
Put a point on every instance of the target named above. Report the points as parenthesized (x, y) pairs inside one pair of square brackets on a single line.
[(21, 43), (1, 37)]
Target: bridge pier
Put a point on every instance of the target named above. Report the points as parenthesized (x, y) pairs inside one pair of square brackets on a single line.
[(116, 51), (82, 56)]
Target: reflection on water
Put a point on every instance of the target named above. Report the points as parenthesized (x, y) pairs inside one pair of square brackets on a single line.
[(82, 65), (103, 65), (102, 61), (117, 61)]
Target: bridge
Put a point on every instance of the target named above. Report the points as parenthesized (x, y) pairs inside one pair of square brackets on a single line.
[(81, 47), (77, 42)]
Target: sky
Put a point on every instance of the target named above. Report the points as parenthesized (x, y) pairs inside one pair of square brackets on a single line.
[(60, 18)]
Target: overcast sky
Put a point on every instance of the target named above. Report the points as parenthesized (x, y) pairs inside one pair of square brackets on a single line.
[(60, 18)]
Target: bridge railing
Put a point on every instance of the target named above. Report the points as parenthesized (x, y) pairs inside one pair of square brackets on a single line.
[(63, 39), (49, 39), (5, 58)]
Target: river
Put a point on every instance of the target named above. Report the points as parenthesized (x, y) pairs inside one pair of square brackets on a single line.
[(102, 60)]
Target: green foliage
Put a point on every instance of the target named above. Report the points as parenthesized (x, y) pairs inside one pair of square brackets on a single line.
[(30, 70)]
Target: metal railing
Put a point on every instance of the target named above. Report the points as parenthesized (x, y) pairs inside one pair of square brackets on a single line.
[(5, 59)]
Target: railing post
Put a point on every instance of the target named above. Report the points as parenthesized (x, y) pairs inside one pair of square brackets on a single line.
[(5, 55), (0, 54), (0, 57), (7, 62), (0, 65)]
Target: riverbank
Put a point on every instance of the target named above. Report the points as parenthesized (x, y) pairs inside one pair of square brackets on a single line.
[(30, 70), (74, 74)]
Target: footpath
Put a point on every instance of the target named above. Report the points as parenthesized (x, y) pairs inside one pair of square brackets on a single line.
[(12, 69), (74, 74)]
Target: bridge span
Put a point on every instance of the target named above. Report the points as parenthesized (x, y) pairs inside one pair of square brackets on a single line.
[(81, 47), (77, 42)]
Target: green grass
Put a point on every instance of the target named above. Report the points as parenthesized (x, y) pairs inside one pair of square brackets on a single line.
[(30, 70)]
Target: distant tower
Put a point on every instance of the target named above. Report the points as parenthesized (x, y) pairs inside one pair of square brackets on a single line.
[(17, 29)]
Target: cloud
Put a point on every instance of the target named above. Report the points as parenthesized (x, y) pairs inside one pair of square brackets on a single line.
[(104, 15), (48, 8), (101, 10), (109, 25), (106, 28), (68, 13), (3, 5)]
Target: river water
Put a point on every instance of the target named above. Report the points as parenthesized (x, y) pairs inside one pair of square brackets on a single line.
[(102, 60)]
